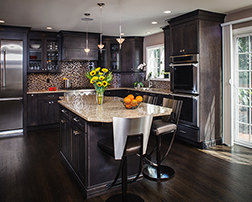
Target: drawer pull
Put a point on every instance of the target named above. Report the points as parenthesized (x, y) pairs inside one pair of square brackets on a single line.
[(64, 111), (76, 119), (182, 131), (75, 132)]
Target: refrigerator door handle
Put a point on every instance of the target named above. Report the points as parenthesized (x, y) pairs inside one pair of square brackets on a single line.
[(4, 70), (11, 99)]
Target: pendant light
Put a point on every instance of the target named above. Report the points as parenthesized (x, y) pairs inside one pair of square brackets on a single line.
[(120, 40), (100, 46), (87, 19)]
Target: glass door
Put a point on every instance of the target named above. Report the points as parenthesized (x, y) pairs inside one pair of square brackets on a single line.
[(243, 90)]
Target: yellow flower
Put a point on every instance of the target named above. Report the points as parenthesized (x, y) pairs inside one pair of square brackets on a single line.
[(104, 70), (99, 84), (95, 77), (64, 78), (104, 83), (100, 73), (97, 69), (101, 78), (92, 81), (92, 73)]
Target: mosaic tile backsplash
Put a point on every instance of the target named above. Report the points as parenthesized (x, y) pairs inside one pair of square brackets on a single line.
[(75, 72)]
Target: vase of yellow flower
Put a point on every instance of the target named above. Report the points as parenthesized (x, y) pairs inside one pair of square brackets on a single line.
[(100, 78)]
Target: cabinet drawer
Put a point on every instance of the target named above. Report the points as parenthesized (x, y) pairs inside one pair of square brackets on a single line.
[(64, 111), (188, 133)]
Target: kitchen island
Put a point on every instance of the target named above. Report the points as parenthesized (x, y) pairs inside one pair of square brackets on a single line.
[(82, 124)]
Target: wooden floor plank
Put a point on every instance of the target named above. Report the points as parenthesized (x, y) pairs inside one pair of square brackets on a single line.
[(31, 170)]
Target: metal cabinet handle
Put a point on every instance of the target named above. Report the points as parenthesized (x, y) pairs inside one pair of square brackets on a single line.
[(4, 70), (52, 102), (75, 132), (64, 111), (182, 131), (32, 95), (62, 121), (76, 119), (49, 102)]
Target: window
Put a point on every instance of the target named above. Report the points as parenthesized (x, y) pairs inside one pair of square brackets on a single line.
[(155, 62)]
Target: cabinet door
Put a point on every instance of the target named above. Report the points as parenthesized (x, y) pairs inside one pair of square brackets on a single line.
[(190, 37), (177, 39), (167, 48), (74, 146), (32, 106), (65, 136), (83, 156), (48, 109), (128, 50)]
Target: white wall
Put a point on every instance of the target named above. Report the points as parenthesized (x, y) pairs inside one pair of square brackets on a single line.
[(152, 40)]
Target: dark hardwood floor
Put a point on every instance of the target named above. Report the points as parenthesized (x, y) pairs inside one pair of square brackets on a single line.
[(31, 170)]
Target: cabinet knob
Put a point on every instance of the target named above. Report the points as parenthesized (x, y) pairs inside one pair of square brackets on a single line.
[(62, 121), (52, 102), (32, 95), (75, 132), (64, 111), (49, 102)]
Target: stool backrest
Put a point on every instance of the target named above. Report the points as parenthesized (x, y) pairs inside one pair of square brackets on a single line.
[(150, 99), (176, 106), (124, 127)]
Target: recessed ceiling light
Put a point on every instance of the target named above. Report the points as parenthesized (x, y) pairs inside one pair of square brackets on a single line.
[(148, 32), (48, 28), (122, 34), (154, 22), (2, 21), (167, 12)]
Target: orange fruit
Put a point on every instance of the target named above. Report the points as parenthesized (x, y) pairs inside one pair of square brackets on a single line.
[(128, 106), (131, 96), (139, 98), (127, 100), (134, 103)]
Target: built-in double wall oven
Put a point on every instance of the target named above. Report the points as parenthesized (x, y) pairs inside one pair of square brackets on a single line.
[(185, 86)]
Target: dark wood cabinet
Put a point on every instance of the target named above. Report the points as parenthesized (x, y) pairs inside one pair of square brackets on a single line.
[(73, 141), (32, 105), (131, 54), (74, 43), (125, 59), (43, 54), (167, 46), (184, 38), (43, 109)]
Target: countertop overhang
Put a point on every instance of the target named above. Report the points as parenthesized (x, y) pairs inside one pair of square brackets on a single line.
[(85, 106)]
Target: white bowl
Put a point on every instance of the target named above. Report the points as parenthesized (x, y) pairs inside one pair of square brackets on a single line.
[(35, 46)]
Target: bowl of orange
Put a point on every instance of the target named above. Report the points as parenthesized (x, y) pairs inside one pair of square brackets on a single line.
[(131, 102)]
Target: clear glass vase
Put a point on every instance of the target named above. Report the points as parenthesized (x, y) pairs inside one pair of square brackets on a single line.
[(99, 98)]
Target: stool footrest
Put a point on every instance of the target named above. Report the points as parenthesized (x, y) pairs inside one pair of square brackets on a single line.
[(151, 172)]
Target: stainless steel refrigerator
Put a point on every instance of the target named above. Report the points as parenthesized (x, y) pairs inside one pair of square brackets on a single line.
[(11, 87)]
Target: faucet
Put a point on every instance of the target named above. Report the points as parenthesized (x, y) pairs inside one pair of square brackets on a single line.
[(148, 78)]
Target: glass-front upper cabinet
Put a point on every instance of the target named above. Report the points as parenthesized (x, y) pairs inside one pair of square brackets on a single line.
[(114, 57), (35, 55), (43, 52)]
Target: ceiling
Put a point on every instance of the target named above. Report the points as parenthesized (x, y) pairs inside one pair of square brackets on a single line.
[(136, 15)]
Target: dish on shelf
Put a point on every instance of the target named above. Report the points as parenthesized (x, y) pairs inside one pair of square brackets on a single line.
[(35, 46)]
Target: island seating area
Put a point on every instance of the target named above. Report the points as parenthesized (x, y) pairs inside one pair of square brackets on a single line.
[(82, 124)]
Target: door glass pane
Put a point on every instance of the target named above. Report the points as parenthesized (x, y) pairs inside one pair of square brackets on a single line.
[(243, 61), (243, 131), (243, 96), (244, 79), (243, 44), (244, 114)]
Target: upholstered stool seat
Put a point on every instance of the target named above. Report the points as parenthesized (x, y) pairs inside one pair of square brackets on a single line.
[(161, 127)]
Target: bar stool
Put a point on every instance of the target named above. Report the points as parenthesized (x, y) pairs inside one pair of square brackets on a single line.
[(130, 137), (161, 127), (150, 99)]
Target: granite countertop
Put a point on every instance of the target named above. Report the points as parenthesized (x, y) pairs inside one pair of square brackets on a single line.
[(85, 106), (152, 90)]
